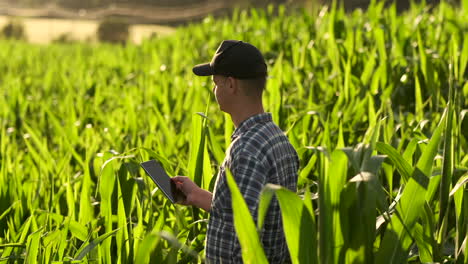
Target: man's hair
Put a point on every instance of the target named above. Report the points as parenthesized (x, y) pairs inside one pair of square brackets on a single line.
[(254, 87)]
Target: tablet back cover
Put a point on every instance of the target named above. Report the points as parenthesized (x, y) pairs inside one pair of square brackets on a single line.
[(160, 177)]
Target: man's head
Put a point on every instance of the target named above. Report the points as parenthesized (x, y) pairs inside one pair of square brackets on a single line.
[(234, 58), (239, 73)]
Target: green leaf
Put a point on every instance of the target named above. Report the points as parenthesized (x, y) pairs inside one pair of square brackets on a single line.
[(448, 165), (357, 212), (78, 230), (462, 181), (298, 225), (197, 149), (122, 236), (106, 189), (86, 248), (425, 254), (264, 203), (176, 245), (252, 250), (397, 240), (330, 186), (369, 67), (159, 157), (148, 244), (33, 247), (463, 56), (409, 151), (400, 163), (433, 187), (419, 111)]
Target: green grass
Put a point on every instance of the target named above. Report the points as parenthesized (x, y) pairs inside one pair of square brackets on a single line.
[(373, 101)]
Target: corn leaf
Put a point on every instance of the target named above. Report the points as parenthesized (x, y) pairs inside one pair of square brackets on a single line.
[(397, 240), (252, 250)]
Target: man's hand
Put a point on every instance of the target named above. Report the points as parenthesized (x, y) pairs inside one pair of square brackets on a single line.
[(194, 195)]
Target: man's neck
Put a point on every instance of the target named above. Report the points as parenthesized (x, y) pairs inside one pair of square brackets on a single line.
[(244, 113)]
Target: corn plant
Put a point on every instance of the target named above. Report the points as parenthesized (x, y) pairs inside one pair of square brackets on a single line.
[(373, 101)]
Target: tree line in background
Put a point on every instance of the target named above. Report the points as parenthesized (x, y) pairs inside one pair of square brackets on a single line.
[(170, 12)]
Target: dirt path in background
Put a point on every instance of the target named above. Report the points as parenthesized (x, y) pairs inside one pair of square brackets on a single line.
[(45, 30)]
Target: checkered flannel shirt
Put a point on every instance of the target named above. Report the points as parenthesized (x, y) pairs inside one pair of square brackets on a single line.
[(260, 153)]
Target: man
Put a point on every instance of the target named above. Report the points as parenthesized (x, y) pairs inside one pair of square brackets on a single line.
[(260, 153)]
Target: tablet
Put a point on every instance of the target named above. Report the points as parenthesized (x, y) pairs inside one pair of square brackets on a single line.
[(160, 177)]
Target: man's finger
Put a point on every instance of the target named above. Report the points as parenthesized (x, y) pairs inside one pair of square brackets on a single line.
[(179, 185), (178, 178), (176, 181)]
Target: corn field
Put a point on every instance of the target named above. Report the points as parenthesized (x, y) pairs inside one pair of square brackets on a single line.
[(374, 101)]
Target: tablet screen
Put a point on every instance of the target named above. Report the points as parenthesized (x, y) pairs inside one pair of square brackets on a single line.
[(160, 177)]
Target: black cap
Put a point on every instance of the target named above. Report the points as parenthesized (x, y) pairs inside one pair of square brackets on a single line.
[(236, 59)]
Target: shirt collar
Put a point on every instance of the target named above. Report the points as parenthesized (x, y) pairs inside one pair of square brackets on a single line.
[(250, 122)]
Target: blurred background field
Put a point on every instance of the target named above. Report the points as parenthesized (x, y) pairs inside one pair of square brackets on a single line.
[(46, 30), (45, 21), (374, 100)]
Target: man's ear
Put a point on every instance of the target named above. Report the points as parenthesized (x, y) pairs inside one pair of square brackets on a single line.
[(233, 85)]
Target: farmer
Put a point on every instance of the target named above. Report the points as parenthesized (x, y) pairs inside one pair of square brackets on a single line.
[(260, 153)]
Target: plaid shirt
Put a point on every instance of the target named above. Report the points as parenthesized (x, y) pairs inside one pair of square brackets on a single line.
[(260, 153)]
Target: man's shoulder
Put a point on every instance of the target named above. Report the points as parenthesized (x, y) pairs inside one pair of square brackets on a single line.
[(257, 135), (260, 140)]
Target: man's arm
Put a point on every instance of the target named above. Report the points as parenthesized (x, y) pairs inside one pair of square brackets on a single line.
[(195, 195)]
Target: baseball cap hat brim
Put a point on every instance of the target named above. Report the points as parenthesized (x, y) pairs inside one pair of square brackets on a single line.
[(203, 69)]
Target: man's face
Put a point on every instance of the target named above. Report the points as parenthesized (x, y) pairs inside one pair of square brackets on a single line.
[(220, 90)]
